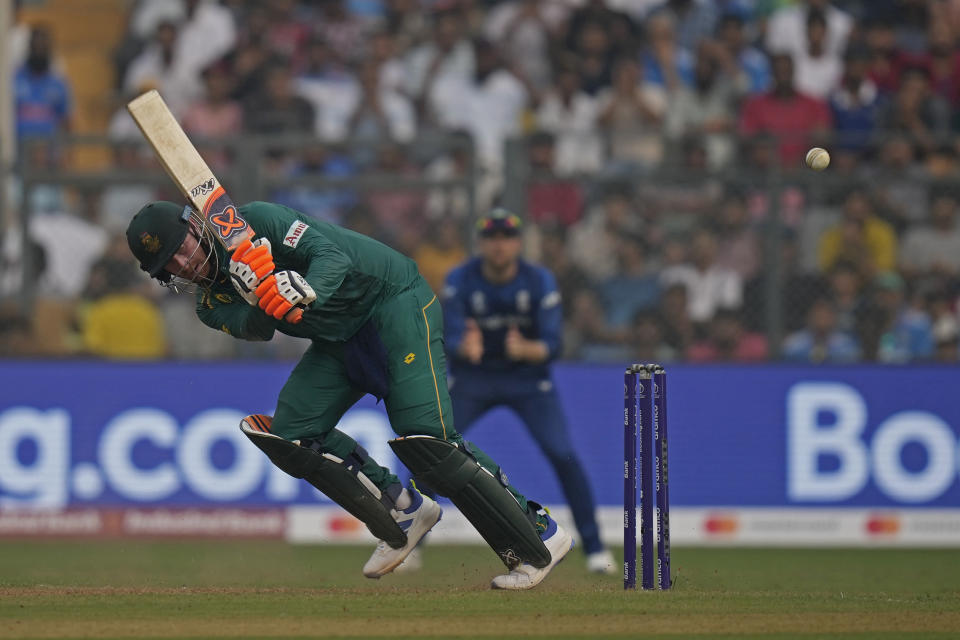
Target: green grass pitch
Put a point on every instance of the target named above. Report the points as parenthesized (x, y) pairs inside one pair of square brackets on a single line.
[(136, 589)]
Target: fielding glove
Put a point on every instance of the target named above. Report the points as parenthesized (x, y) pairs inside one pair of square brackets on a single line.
[(250, 263), (281, 292)]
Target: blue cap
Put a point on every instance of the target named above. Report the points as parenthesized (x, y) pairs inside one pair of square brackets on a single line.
[(499, 221)]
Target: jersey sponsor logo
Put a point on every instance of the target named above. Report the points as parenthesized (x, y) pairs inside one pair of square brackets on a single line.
[(497, 322), (523, 301), (552, 299), (478, 302), (410, 357), (224, 298), (203, 189), (294, 233)]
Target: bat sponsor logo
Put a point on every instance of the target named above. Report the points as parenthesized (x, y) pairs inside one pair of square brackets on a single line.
[(228, 221), (203, 189), (294, 233)]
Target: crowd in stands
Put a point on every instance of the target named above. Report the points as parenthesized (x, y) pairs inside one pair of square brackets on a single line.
[(659, 152)]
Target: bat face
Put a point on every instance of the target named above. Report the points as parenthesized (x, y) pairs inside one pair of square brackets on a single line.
[(187, 168)]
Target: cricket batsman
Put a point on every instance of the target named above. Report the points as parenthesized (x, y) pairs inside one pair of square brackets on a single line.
[(375, 327), (503, 328)]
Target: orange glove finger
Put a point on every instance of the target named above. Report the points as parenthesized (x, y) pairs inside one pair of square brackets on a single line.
[(266, 285), (262, 265), (241, 249), (268, 298), (278, 307), (265, 269), (258, 261), (282, 311), (254, 254)]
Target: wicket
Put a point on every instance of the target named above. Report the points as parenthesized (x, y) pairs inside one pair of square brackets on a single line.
[(645, 459)]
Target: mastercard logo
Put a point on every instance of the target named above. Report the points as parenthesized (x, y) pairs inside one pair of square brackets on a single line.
[(344, 524), (883, 525), (720, 524)]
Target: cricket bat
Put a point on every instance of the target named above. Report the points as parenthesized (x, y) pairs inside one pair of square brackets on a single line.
[(190, 173), (187, 169)]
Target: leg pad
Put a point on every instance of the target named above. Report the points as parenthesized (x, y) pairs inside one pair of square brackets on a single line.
[(482, 497), (340, 480)]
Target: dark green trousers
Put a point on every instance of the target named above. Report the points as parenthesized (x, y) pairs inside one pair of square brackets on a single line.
[(319, 391)]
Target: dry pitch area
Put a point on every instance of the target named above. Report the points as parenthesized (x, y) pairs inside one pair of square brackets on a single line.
[(125, 589)]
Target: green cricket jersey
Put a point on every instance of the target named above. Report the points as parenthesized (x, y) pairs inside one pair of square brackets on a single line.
[(351, 274), (356, 279)]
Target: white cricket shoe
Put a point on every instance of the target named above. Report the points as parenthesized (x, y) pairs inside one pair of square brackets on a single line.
[(527, 576), (602, 562), (416, 520), (413, 561)]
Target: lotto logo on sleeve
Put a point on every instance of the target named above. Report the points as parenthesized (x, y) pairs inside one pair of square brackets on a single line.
[(294, 233)]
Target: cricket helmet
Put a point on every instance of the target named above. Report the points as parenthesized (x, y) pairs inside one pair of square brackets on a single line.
[(156, 233)]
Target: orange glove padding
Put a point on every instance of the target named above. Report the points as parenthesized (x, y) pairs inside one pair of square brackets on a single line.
[(280, 292), (258, 258)]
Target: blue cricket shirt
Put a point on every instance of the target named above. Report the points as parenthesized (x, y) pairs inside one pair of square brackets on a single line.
[(531, 302)]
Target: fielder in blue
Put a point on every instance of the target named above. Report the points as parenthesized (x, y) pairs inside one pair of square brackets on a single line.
[(503, 324)]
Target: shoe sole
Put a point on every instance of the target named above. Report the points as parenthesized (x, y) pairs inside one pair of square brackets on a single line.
[(411, 545), (546, 570)]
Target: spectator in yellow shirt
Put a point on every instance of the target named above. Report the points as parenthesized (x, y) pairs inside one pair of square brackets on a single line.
[(124, 326), (442, 251), (116, 319), (860, 237)]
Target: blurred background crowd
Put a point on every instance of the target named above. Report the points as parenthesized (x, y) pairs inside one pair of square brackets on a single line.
[(654, 149)]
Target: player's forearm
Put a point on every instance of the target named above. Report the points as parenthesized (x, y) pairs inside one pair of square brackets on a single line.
[(258, 326), (535, 351), (245, 323)]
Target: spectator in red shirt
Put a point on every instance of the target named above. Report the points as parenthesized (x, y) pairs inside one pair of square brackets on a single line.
[(216, 116), (550, 198), (942, 62), (398, 212), (793, 118), (886, 60), (288, 32), (728, 341), (917, 110)]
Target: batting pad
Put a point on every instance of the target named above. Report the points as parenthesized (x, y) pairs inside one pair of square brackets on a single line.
[(482, 498), (344, 484)]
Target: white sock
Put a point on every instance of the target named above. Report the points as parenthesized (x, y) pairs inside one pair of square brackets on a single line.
[(404, 500)]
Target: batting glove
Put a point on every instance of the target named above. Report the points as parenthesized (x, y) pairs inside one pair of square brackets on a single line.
[(282, 292), (250, 263)]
